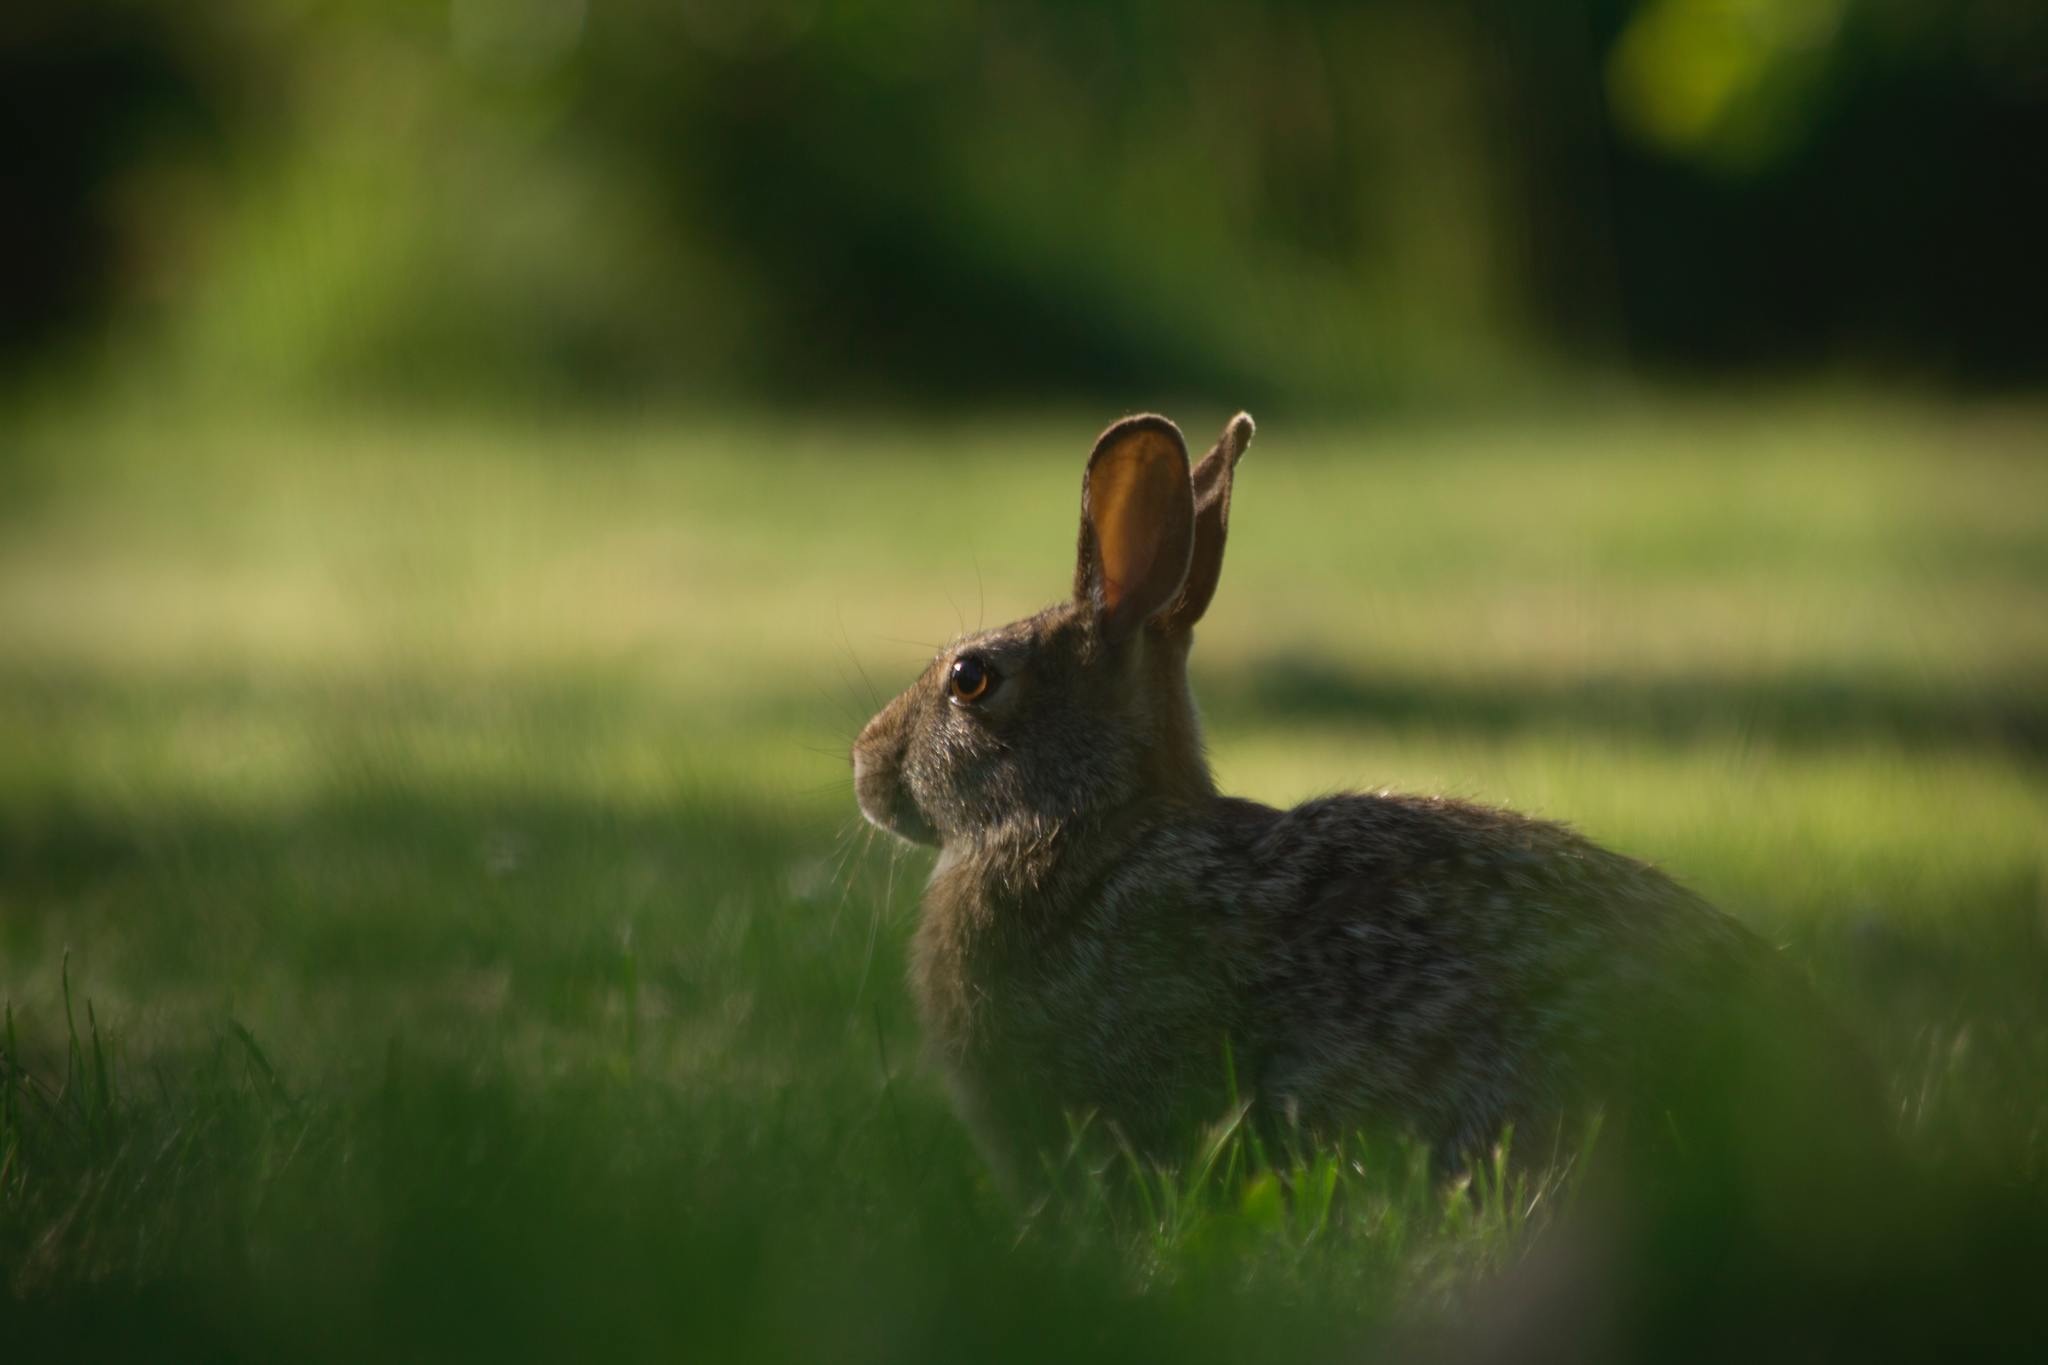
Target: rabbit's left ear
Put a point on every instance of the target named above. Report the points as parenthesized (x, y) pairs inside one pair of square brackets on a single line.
[(1212, 482), (1137, 524)]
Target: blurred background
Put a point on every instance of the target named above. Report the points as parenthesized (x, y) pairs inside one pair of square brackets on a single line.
[(840, 200), (469, 467)]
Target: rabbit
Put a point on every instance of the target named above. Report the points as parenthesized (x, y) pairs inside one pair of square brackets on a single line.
[(1105, 933)]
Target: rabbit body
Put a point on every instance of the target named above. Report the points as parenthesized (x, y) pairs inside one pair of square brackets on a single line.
[(1103, 932), (1368, 961)]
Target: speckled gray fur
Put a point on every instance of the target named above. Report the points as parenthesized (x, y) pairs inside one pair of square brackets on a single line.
[(1101, 924)]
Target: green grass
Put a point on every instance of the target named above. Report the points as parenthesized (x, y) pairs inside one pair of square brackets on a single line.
[(472, 948)]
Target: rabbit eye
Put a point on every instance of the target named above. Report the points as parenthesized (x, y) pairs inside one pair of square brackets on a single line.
[(971, 679)]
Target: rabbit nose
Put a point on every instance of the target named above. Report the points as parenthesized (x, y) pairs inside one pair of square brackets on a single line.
[(869, 749), (878, 782), (874, 780), (878, 787)]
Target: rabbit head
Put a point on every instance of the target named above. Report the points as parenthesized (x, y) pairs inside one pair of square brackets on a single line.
[(1083, 709)]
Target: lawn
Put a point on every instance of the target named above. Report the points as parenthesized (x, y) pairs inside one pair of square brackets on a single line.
[(443, 831)]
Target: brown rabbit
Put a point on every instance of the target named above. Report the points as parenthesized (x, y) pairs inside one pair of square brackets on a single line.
[(1101, 924)]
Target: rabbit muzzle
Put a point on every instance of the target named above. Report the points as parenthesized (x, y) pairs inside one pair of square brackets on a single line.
[(878, 782)]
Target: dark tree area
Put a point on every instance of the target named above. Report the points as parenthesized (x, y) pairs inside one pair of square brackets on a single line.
[(1333, 202), (87, 93)]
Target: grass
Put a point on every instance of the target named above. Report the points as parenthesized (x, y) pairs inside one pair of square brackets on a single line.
[(433, 921)]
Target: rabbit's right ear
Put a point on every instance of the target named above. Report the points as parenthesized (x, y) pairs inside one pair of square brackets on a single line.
[(1212, 520), (1137, 524)]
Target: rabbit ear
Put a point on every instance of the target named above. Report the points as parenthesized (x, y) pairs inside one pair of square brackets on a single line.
[(1137, 524), (1212, 520)]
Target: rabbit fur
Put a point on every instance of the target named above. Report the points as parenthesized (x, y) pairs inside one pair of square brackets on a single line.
[(1105, 933)]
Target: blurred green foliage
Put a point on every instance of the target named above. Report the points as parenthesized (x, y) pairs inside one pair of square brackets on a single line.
[(789, 199)]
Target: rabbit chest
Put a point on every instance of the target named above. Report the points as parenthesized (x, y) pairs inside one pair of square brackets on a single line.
[(1100, 994)]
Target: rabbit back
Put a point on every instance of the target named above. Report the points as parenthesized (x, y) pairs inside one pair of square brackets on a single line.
[(1455, 968)]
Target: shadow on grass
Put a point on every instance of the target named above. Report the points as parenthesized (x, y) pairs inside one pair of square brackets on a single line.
[(1792, 711), (711, 922), (445, 1212), (689, 1126)]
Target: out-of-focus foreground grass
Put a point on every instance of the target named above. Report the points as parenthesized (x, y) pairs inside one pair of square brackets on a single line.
[(448, 823)]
